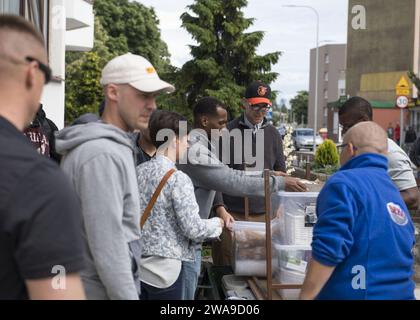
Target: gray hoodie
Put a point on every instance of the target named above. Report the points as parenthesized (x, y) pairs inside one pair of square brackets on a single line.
[(210, 175), (99, 159)]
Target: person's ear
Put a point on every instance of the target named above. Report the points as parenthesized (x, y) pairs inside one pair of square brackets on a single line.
[(351, 149), (244, 105), (365, 118), (30, 75), (204, 121), (175, 143), (112, 92)]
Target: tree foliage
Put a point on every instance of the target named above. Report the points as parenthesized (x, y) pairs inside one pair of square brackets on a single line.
[(327, 155), (120, 27), (224, 61), (299, 106), (132, 27)]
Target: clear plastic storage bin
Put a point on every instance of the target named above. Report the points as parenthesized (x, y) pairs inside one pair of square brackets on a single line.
[(294, 217), (286, 276), (249, 248), (295, 258)]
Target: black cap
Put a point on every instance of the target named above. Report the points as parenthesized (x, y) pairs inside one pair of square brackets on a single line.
[(258, 92)]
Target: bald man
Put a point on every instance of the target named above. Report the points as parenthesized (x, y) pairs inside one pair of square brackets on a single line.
[(41, 249), (363, 239)]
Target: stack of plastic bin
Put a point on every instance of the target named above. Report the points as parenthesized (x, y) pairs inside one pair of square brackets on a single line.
[(293, 216)]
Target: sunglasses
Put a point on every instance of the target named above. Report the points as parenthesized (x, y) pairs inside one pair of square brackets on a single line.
[(264, 107), (46, 70)]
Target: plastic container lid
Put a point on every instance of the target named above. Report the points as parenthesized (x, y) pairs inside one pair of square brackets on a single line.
[(232, 282), (297, 194), (291, 247), (246, 225)]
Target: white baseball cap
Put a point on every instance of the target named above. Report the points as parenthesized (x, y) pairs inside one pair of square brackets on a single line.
[(136, 71)]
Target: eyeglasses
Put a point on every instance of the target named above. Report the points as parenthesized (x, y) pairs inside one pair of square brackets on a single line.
[(342, 146), (261, 107), (46, 70)]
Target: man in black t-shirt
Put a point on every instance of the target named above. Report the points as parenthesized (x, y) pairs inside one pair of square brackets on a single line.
[(41, 252)]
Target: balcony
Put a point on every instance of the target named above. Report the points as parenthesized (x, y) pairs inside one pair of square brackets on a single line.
[(79, 25), (79, 14)]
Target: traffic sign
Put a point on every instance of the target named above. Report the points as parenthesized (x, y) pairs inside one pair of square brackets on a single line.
[(403, 87), (402, 102)]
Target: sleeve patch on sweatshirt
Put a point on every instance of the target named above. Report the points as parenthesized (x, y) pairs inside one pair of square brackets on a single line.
[(397, 214)]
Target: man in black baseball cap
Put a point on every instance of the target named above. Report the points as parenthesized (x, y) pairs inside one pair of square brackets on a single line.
[(256, 104), (258, 93)]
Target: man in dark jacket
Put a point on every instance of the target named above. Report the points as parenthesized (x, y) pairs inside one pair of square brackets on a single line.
[(256, 104), (264, 152)]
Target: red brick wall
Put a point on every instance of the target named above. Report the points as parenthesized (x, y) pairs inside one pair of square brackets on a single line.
[(384, 116)]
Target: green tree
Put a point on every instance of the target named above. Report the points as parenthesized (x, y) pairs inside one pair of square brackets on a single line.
[(415, 79), (132, 27), (120, 27), (327, 155), (83, 73), (299, 106), (224, 60)]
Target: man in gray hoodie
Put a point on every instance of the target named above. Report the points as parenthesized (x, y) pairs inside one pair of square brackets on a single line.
[(99, 157)]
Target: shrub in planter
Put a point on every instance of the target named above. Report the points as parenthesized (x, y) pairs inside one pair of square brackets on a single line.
[(326, 155)]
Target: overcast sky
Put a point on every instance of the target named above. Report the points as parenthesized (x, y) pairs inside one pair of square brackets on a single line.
[(290, 30)]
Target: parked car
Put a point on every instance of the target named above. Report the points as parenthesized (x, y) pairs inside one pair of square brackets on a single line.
[(304, 139)]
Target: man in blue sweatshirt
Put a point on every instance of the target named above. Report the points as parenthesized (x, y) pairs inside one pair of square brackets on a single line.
[(363, 240)]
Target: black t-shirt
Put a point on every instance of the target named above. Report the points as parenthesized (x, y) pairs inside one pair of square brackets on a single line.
[(40, 216)]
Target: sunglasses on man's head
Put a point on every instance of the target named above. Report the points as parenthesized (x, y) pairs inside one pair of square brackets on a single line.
[(46, 70)]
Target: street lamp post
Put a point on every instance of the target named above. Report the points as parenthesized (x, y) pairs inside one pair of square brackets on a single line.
[(317, 66)]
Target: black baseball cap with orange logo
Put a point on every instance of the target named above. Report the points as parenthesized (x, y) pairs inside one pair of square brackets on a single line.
[(258, 92)]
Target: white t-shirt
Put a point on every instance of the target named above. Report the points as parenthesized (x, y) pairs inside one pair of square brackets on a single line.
[(159, 272), (400, 167)]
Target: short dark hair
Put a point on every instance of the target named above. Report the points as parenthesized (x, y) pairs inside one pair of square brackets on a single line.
[(163, 119), (357, 106), (18, 24), (207, 106), (101, 109)]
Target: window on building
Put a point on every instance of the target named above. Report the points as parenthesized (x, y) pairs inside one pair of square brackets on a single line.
[(10, 6), (326, 76), (326, 94), (327, 58), (36, 11)]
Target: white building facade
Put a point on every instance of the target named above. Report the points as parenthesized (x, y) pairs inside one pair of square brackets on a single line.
[(67, 25)]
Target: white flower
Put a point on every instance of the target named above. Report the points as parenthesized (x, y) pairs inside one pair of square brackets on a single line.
[(288, 149)]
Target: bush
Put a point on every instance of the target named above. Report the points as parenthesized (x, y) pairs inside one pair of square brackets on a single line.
[(326, 155)]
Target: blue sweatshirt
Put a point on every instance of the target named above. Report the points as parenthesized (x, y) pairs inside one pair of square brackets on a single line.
[(365, 232)]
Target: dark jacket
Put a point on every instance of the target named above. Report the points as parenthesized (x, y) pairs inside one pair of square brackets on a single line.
[(273, 160), (41, 133)]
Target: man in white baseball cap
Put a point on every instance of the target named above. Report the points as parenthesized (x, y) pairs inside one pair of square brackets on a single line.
[(131, 85), (99, 157)]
